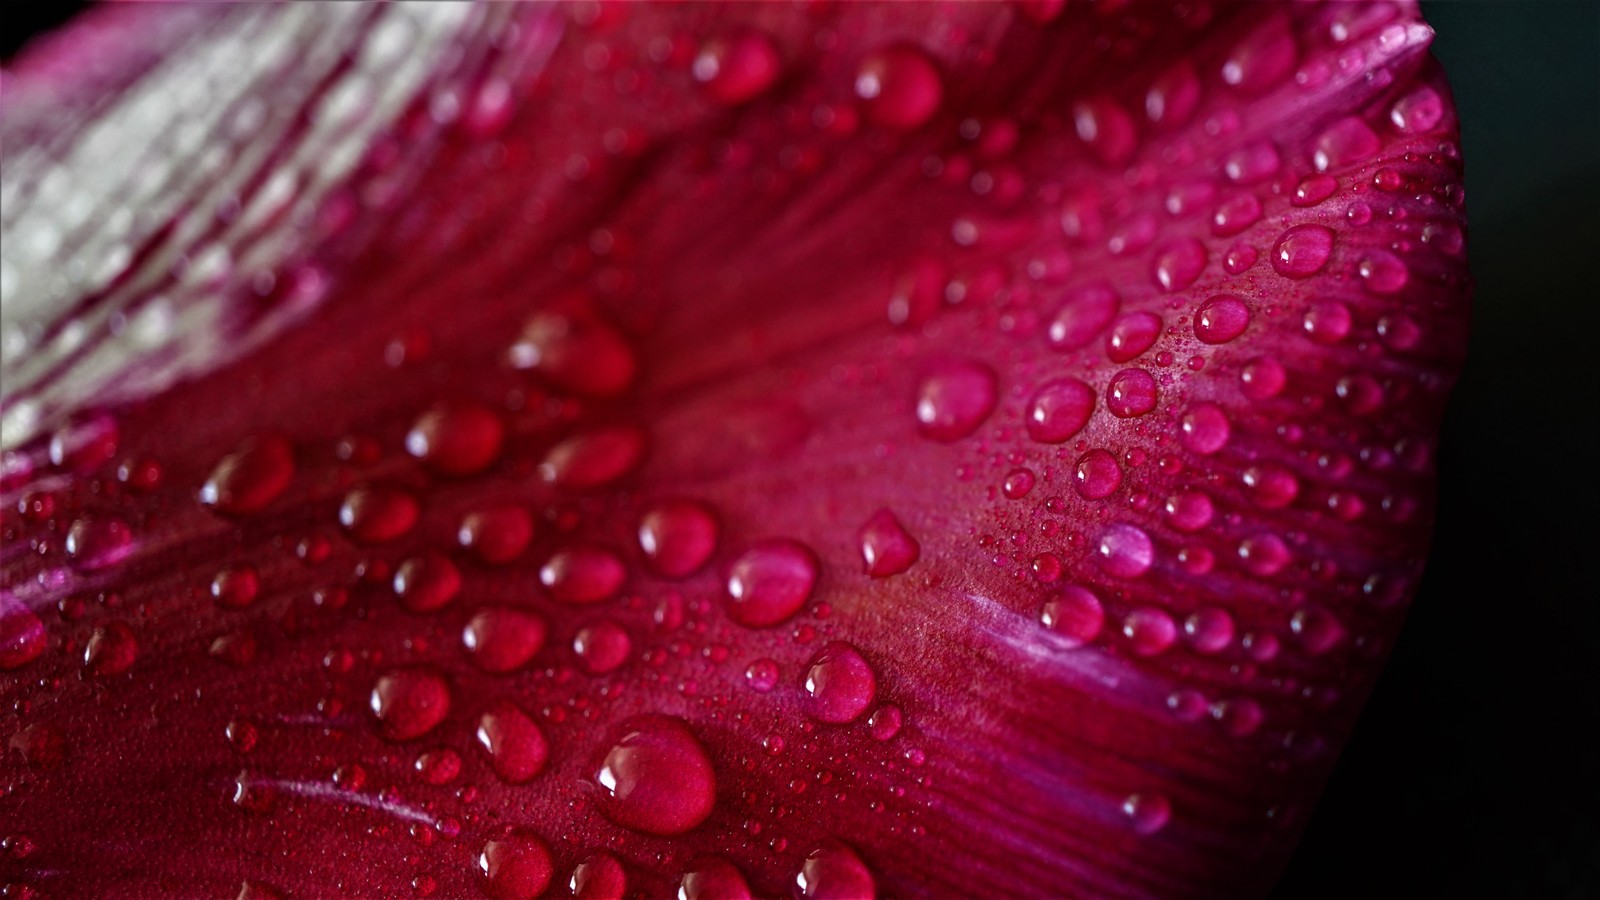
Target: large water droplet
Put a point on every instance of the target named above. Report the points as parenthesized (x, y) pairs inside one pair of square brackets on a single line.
[(954, 399), (516, 866), (839, 684), (1172, 98), (578, 353), (769, 582), (598, 877), (98, 542), (1208, 630), (834, 872), (1084, 313), (1203, 428), (1097, 474), (886, 547), (602, 646), (1327, 322), (1125, 551), (516, 747), (456, 439), (1271, 487), (1106, 128), (656, 778), (1262, 59), (378, 515), (582, 574), (1382, 272), (1178, 264), (1221, 319), (1149, 631), (496, 534), (1132, 392), (236, 586), (250, 478), (900, 87), (735, 69), (1417, 112), (678, 537), (1189, 511), (1132, 335), (1346, 142), (1074, 613), (112, 649), (713, 879), (427, 583), (1147, 811), (409, 703), (1059, 410), (593, 459), (502, 639), (1302, 251), (22, 634)]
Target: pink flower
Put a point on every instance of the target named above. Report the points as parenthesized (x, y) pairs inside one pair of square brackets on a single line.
[(725, 450)]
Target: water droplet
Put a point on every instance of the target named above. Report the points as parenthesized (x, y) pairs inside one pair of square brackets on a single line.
[(1208, 630), (900, 87), (1097, 474), (1314, 189), (1106, 128), (1125, 551), (885, 722), (1074, 613), (1147, 811), (1316, 629), (1149, 631), (496, 535), (593, 459), (98, 542), (834, 872), (516, 866), (42, 746), (236, 587), (1327, 322), (1178, 264), (1382, 272), (1262, 378), (1084, 313), (762, 675), (1271, 487), (1018, 484), (1399, 332), (111, 650), (1262, 58), (502, 639), (1346, 142), (955, 399), (1237, 717), (1417, 112), (409, 703), (886, 547), (516, 747), (656, 778), (770, 582), (378, 515), (1059, 410), (456, 439), (1302, 251), (248, 480), (22, 633), (426, 583), (1235, 215), (438, 766), (736, 69), (1203, 428), (713, 879), (678, 537), (1132, 335), (577, 353), (839, 684), (1132, 392), (1173, 96), (1221, 319), (580, 574), (602, 647), (1252, 163), (598, 877)]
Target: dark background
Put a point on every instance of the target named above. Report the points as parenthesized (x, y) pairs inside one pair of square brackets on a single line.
[(1474, 771)]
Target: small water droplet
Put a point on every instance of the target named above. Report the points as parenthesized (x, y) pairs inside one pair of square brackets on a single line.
[(1316, 629), (1417, 112), (98, 542), (378, 515), (1059, 410), (1302, 251), (438, 766), (678, 537), (1106, 128), (839, 684), (1346, 142), (456, 439), (1271, 487), (236, 587), (1084, 313), (1239, 717), (770, 582), (502, 639), (247, 480), (1314, 189), (900, 87), (886, 547), (516, 747), (112, 649), (1262, 378), (1208, 630), (593, 459), (496, 534), (1178, 264), (733, 70), (1262, 58), (1327, 322), (1221, 319), (1203, 428), (22, 633), (1149, 631), (656, 778), (576, 352), (1147, 811), (581, 574), (954, 399), (602, 647), (1074, 613), (516, 866), (409, 703), (885, 722), (1018, 484), (426, 583), (1125, 551), (1382, 272), (762, 675), (1189, 511), (1132, 335)]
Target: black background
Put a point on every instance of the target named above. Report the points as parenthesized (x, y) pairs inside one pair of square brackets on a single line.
[(1474, 771)]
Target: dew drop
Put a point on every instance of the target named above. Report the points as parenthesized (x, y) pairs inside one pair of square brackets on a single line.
[(1132, 335), (656, 778), (1314, 189), (1382, 272), (1262, 59), (439, 766), (1074, 614), (409, 703), (426, 583), (1084, 313), (713, 878), (1237, 717), (456, 439), (236, 587), (516, 747), (516, 866), (1203, 428), (112, 649), (1417, 112), (737, 69), (95, 543), (1208, 630), (1178, 264), (378, 515), (1252, 163), (247, 480), (1302, 251), (578, 353), (1271, 487), (1189, 511), (886, 547), (1147, 812), (1327, 322), (581, 574), (496, 535), (770, 582), (1149, 631), (1262, 378), (1059, 410), (593, 459), (678, 537), (1125, 551), (885, 722), (1346, 142), (1316, 629), (1221, 319), (598, 877), (1096, 474), (839, 684), (955, 399), (502, 639), (1018, 484), (834, 872), (762, 675), (1132, 393), (900, 87), (22, 634), (602, 647), (1106, 128)]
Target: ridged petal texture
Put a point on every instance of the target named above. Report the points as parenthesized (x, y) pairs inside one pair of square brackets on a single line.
[(835, 450)]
